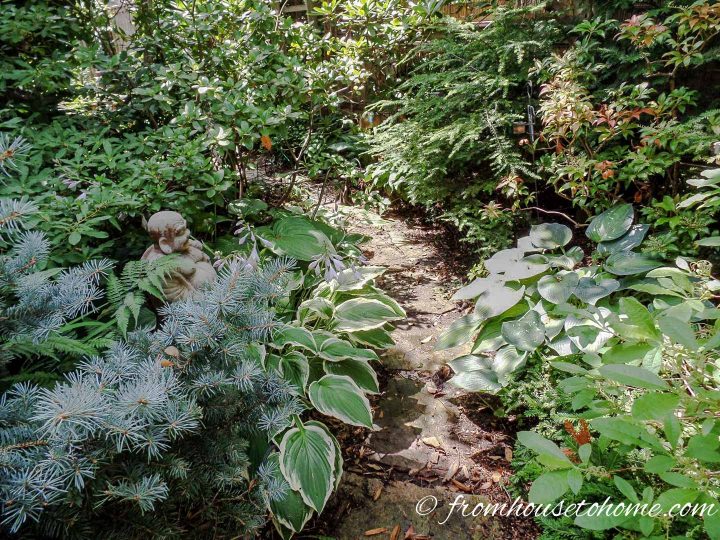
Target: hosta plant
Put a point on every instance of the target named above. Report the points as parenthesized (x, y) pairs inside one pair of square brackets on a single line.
[(633, 346)]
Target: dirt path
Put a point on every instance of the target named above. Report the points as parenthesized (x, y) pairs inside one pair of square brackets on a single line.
[(432, 441)]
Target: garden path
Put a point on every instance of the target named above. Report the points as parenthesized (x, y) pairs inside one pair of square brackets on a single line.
[(431, 439)]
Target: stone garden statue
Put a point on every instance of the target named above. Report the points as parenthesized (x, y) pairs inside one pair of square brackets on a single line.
[(170, 235)]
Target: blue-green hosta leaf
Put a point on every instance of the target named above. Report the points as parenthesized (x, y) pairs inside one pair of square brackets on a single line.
[(506, 361), (503, 259), (559, 287), (474, 374), (628, 263), (526, 333), (362, 314), (548, 487), (611, 224), (489, 338), (460, 331), (563, 346), (497, 300), (527, 267), (340, 397), (289, 510), (307, 461), (632, 376), (477, 287), (550, 235), (359, 371), (631, 239), (589, 291)]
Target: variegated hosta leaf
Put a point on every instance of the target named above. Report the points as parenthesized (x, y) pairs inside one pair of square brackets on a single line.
[(307, 461), (340, 397), (526, 333), (362, 314), (290, 510), (358, 370), (559, 287)]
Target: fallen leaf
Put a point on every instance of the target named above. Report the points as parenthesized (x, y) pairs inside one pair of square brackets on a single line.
[(395, 534), (461, 486), (375, 532), (172, 351), (452, 470), (432, 441), (410, 533), (431, 388), (496, 477), (377, 493), (486, 485), (426, 340), (508, 453)]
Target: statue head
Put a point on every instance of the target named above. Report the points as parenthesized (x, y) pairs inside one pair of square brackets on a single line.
[(169, 232)]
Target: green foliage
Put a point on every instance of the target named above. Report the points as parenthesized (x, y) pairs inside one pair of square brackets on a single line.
[(128, 292), (631, 344), (446, 143), (624, 131)]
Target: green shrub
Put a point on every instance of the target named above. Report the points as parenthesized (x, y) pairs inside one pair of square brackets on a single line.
[(447, 142)]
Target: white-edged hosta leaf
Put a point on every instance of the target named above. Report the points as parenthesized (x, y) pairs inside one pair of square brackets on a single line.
[(362, 314), (290, 510), (550, 235), (526, 333), (307, 461), (352, 279), (340, 397), (359, 371), (378, 338), (611, 224), (296, 336), (338, 453), (557, 288), (295, 368), (334, 350)]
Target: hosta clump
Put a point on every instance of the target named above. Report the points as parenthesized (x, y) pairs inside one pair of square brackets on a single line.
[(633, 343)]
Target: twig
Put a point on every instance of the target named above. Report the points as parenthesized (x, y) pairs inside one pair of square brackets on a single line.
[(571, 220)]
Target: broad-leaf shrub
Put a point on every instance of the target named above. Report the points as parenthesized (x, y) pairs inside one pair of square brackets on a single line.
[(631, 344)]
